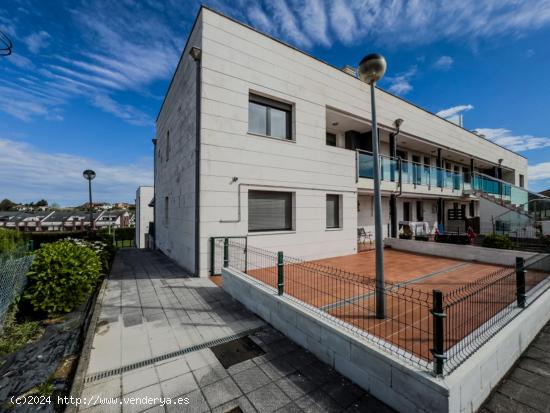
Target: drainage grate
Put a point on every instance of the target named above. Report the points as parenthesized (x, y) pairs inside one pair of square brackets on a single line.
[(236, 351), (109, 373)]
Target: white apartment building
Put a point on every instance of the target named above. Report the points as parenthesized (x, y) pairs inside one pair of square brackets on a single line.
[(144, 214), (256, 138)]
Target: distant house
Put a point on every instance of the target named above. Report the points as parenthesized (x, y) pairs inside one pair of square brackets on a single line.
[(68, 221)]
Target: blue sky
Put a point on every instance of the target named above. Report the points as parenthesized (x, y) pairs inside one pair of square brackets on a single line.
[(86, 79)]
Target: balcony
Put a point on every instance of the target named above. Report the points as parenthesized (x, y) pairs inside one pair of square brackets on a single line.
[(411, 175)]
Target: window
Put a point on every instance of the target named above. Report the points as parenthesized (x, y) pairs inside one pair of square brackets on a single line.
[(269, 118), (333, 211), (419, 211), (522, 181), (269, 211), (406, 211), (331, 139), (166, 210), (167, 145)]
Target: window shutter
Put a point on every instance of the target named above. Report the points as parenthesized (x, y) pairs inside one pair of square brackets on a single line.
[(333, 211), (269, 211)]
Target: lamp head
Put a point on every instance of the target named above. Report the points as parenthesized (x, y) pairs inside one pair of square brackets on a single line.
[(195, 53), (371, 68), (88, 174), (397, 123)]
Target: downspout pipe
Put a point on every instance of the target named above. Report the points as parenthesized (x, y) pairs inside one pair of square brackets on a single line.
[(154, 140), (196, 54)]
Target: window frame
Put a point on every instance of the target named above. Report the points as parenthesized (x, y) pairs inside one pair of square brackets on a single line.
[(270, 104), (339, 220), (335, 139), (291, 210)]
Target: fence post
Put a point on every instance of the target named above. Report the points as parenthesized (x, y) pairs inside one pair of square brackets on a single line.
[(280, 273), (246, 255), (520, 281), (438, 336), (212, 255), (226, 252)]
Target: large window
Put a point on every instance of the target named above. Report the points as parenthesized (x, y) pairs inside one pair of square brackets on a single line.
[(269, 117), (269, 211), (333, 211)]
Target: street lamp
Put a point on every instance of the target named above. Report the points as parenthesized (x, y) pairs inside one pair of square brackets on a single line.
[(371, 69), (89, 175)]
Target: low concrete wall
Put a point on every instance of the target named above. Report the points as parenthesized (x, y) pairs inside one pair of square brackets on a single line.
[(405, 388), (460, 252), (471, 383), (399, 385)]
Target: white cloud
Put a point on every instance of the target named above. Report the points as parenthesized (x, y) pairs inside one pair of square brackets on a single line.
[(539, 172), (260, 20), (401, 83), (37, 41), (455, 110), (343, 21), (444, 63), (517, 143), (287, 23), (125, 112), (58, 176), (314, 19)]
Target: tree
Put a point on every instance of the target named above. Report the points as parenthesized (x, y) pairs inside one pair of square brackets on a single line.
[(42, 202), (6, 205)]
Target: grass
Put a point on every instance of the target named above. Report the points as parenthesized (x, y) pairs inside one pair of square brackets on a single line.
[(16, 334)]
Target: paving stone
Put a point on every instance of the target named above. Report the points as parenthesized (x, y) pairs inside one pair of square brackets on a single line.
[(343, 391), (317, 401), (525, 395), (147, 392), (178, 385), (138, 379), (251, 379), (172, 368), (221, 392), (500, 403), (277, 368), (296, 385), (241, 403), (290, 408), (209, 374), (237, 368), (268, 398), (368, 404), (196, 403), (530, 379)]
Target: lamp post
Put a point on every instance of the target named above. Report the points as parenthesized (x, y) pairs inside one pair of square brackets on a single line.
[(89, 175), (371, 69)]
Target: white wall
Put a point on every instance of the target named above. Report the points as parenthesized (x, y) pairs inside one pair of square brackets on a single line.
[(175, 176), (237, 60), (144, 213)]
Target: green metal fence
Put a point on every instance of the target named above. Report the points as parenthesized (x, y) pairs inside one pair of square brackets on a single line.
[(14, 266)]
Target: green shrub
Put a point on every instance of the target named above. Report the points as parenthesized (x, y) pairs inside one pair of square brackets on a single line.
[(10, 239), (62, 276), (104, 250), (497, 241)]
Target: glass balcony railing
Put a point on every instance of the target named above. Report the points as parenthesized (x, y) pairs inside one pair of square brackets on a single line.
[(411, 172), (499, 189)]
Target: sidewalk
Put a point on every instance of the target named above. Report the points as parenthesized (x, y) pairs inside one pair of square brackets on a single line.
[(154, 337), (527, 386)]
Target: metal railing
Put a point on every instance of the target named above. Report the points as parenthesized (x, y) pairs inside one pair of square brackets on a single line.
[(475, 312), (428, 328), (342, 297), (14, 266), (408, 172)]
